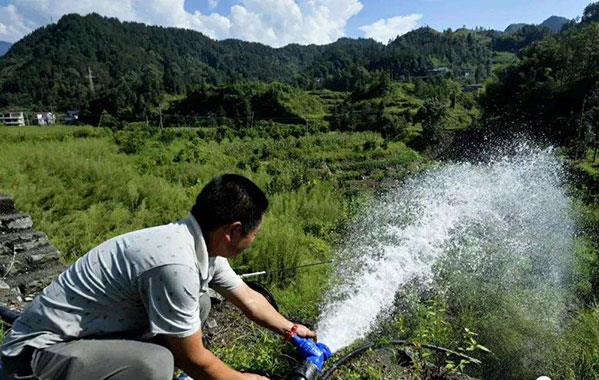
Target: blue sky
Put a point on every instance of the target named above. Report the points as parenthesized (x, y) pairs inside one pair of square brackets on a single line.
[(443, 14), (279, 22)]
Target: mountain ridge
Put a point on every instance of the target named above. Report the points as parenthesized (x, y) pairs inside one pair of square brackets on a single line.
[(553, 23), (139, 63)]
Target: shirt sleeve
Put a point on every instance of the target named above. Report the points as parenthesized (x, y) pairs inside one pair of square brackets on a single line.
[(170, 294), (225, 278)]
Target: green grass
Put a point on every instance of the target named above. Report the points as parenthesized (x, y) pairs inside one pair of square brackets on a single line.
[(577, 357), (590, 167), (83, 185)]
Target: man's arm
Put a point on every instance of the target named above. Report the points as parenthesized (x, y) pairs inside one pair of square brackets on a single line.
[(192, 357), (258, 309), (170, 295)]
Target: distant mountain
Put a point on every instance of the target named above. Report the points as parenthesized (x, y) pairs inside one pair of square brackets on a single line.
[(133, 64), (4, 46), (513, 28), (555, 23)]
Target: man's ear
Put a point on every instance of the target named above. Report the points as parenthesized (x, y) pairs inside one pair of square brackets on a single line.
[(234, 230)]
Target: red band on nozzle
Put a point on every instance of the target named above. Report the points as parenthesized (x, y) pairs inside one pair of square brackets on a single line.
[(289, 334)]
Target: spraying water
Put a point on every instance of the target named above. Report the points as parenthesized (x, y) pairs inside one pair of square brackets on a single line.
[(507, 218)]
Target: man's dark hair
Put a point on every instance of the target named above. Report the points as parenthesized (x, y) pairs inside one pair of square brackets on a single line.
[(227, 199)]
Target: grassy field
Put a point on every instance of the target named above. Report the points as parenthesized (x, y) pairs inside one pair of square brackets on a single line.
[(83, 185)]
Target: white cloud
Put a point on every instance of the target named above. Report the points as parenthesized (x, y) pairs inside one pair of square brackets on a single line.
[(273, 22), (384, 30), (15, 25)]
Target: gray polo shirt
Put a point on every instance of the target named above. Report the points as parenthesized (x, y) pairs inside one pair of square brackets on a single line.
[(137, 285)]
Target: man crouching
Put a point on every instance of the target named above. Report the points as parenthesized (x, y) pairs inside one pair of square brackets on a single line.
[(133, 307)]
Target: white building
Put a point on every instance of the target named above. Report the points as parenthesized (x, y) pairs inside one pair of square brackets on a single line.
[(12, 118), (44, 118)]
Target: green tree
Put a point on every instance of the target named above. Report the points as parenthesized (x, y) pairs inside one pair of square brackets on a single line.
[(591, 13), (432, 115), (544, 92)]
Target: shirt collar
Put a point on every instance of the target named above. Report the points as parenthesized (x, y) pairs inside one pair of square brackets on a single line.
[(200, 246)]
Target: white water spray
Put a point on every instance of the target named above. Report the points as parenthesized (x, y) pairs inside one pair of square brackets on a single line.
[(516, 203)]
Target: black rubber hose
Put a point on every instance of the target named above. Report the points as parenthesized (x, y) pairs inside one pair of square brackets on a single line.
[(398, 342), (258, 287), (8, 316)]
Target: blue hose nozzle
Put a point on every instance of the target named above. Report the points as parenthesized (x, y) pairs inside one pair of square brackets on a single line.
[(312, 352)]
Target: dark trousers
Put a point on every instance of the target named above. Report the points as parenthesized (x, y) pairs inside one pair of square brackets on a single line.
[(90, 359), (97, 359)]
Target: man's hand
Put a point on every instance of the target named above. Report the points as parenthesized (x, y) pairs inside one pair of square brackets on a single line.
[(192, 357), (305, 332), (253, 376)]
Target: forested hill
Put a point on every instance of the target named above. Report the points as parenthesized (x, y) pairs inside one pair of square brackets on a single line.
[(50, 66)]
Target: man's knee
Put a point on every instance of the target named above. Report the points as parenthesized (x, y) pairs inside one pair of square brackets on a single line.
[(156, 363)]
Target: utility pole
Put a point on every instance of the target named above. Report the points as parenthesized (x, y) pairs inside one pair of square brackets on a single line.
[(101, 117), (90, 77)]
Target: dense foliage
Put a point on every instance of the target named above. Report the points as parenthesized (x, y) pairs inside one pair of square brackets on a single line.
[(84, 185), (552, 90), (521, 38), (246, 102), (133, 65)]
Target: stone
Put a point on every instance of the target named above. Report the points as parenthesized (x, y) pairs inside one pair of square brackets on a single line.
[(16, 266), (29, 257), (42, 258), (36, 286), (4, 250), (7, 205), (15, 222), (27, 245), (4, 287)]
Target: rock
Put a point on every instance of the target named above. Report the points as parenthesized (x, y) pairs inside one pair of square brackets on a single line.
[(27, 255), (15, 221), (31, 241), (7, 205), (42, 258), (16, 266), (4, 288), (35, 287), (4, 250)]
